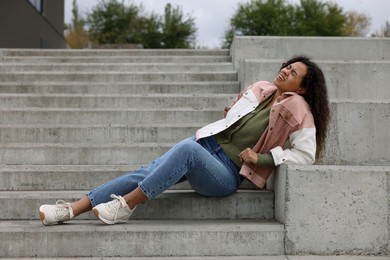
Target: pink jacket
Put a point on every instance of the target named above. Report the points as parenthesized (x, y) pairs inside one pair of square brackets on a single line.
[(290, 136)]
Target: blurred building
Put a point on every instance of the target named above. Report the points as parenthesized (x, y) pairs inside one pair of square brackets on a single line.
[(32, 24)]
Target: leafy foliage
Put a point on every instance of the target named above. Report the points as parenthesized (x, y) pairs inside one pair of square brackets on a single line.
[(177, 31), (76, 36), (314, 18), (356, 24), (111, 22), (280, 18)]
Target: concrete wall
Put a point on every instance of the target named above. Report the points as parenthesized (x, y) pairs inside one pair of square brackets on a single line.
[(360, 108), (22, 26), (358, 133), (319, 48), (353, 80), (343, 205), (334, 209)]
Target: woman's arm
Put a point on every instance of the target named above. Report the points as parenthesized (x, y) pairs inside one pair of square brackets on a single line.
[(302, 148)]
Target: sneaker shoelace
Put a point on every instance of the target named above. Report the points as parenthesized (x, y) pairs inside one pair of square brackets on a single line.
[(63, 210), (114, 205)]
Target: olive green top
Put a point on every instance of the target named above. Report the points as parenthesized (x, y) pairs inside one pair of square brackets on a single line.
[(245, 133)]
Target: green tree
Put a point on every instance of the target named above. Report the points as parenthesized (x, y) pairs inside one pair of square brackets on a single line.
[(178, 31), (111, 22), (75, 35), (314, 18), (280, 18), (357, 24), (149, 31), (269, 17)]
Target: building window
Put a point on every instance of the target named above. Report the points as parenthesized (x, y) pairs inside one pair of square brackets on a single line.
[(37, 5)]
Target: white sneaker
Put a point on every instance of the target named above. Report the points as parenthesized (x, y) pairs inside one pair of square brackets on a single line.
[(115, 211), (55, 214)]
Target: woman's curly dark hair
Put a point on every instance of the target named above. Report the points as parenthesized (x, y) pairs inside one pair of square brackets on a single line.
[(316, 95)]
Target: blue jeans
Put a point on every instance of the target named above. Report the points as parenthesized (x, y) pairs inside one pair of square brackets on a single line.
[(202, 163)]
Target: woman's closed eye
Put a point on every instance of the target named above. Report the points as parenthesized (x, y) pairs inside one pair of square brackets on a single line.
[(293, 72)]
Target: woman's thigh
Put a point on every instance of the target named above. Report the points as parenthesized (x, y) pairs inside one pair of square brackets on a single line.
[(215, 174), (207, 174)]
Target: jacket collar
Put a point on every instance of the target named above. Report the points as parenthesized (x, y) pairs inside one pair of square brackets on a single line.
[(264, 89)]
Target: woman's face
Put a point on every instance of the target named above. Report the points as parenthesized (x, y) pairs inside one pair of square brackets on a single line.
[(290, 78)]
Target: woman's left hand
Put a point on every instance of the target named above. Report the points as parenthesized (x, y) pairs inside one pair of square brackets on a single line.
[(248, 156)]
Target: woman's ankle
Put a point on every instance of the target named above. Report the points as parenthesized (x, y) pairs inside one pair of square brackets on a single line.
[(81, 206)]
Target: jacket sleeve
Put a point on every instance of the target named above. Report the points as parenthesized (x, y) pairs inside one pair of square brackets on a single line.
[(301, 148)]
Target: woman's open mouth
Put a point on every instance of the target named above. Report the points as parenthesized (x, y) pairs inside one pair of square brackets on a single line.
[(280, 77)]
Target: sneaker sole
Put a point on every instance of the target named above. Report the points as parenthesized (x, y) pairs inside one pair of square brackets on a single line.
[(106, 221), (42, 217)]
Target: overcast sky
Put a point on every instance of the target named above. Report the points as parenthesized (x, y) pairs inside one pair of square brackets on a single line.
[(212, 16)]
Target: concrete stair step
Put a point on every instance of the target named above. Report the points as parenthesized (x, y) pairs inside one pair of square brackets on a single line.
[(177, 238), (268, 257), (104, 76), (161, 101), (69, 177), (345, 114), (87, 116), (142, 238), (112, 52), (172, 204), (205, 87), (115, 59), (81, 153), (279, 257), (122, 133), (69, 132), (61, 177), (117, 67)]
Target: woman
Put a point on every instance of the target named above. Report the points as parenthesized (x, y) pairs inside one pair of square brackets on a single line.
[(267, 125)]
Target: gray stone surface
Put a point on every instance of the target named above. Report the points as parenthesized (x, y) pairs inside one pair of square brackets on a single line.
[(218, 87), (117, 76), (334, 209), (114, 53), (171, 205), (360, 109), (358, 133), (75, 128), (343, 77), (193, 66), (141, 238), (110, 101), (319, 210), (319, 48), (355, 136), (281, 257)]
